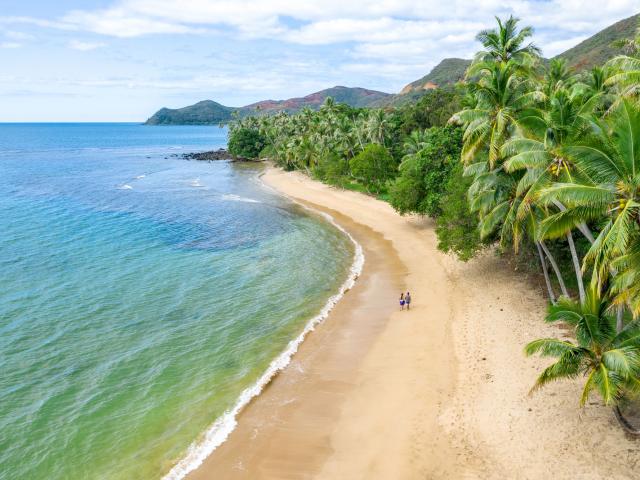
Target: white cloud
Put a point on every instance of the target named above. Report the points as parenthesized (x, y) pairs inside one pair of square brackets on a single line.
[(283, 48), (333, 21), (384, 29), (39, 22), (85, 46), (119, 22), (18, 36), (390, 70), (389, 28)]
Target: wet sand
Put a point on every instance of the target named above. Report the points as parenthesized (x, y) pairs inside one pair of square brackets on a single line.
[(285, 432), (437, 392)]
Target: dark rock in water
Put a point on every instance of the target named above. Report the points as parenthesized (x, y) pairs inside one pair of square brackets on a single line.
[(220, 154)]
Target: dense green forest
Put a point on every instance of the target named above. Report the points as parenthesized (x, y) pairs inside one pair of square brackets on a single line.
[(524, 153)]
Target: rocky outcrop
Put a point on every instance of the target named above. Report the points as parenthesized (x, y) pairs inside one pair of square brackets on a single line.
[(220, 154), (216, 155)]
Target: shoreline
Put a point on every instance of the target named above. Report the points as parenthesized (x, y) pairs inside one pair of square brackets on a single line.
[(271, 450), (224, 426), (437, 392)]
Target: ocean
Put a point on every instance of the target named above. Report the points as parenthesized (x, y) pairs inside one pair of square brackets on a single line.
[(144, 298)]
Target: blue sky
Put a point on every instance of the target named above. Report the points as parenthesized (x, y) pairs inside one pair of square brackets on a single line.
[(121, 60)]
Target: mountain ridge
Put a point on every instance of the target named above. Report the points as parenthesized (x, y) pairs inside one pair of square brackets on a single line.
[(208, 112), (597, 49), (592, 51)]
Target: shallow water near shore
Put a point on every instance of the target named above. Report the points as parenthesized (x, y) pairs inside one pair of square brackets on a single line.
[(141, 294)]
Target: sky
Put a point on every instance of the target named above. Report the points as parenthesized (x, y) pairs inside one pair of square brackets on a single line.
[(121, 60)]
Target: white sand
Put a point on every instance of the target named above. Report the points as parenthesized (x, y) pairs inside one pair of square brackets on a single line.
[(443, 390)]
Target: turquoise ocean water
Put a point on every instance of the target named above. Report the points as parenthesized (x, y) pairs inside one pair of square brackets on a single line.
[(140, 295)]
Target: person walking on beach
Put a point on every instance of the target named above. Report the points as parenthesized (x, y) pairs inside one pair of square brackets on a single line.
[(402, 301), (407, 300)]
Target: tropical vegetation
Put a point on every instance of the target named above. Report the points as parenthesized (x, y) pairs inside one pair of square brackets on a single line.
[(529, 154)]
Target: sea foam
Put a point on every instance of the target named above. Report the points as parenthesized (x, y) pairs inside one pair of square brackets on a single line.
[(220, 430), (237, 198)]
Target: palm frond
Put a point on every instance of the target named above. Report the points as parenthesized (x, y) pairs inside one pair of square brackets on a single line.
[(549, 347), (573, 195)]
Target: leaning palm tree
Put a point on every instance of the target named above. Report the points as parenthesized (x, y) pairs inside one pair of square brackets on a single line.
[(626, 284), (610, 361), (607, 190), (539, 154), (498, 197)]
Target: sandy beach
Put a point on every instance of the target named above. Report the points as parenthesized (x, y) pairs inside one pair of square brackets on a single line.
[(441, 391)]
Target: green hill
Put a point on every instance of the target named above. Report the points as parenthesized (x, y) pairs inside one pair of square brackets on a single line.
[(447, 72), (210, 112), (202, 113), (355, 97), (597, 49)]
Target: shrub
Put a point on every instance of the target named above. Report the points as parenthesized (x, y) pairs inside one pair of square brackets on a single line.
[(424, 175), (245, 142), (332, 169), (373, 167), (457, 227)]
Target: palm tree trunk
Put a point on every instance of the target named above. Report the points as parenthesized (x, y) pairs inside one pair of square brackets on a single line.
[(554, 265), (576, 266), (358, 135), (619, 323), (584, 229), (624, 423), (586, 232), (543, 262)]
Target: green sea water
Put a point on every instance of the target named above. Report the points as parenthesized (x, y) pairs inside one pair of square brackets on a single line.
[(140, 295)]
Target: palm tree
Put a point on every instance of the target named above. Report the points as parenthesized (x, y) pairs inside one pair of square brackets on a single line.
[(415, 142), (565, 118), (377, 125), (343, 136), (610, 361), (501, 95), (329, 106), (503, 70), (629, 46), (607, 189), (558, 74), (497, 197), (627, 66), (596, 80), (506, 43)]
